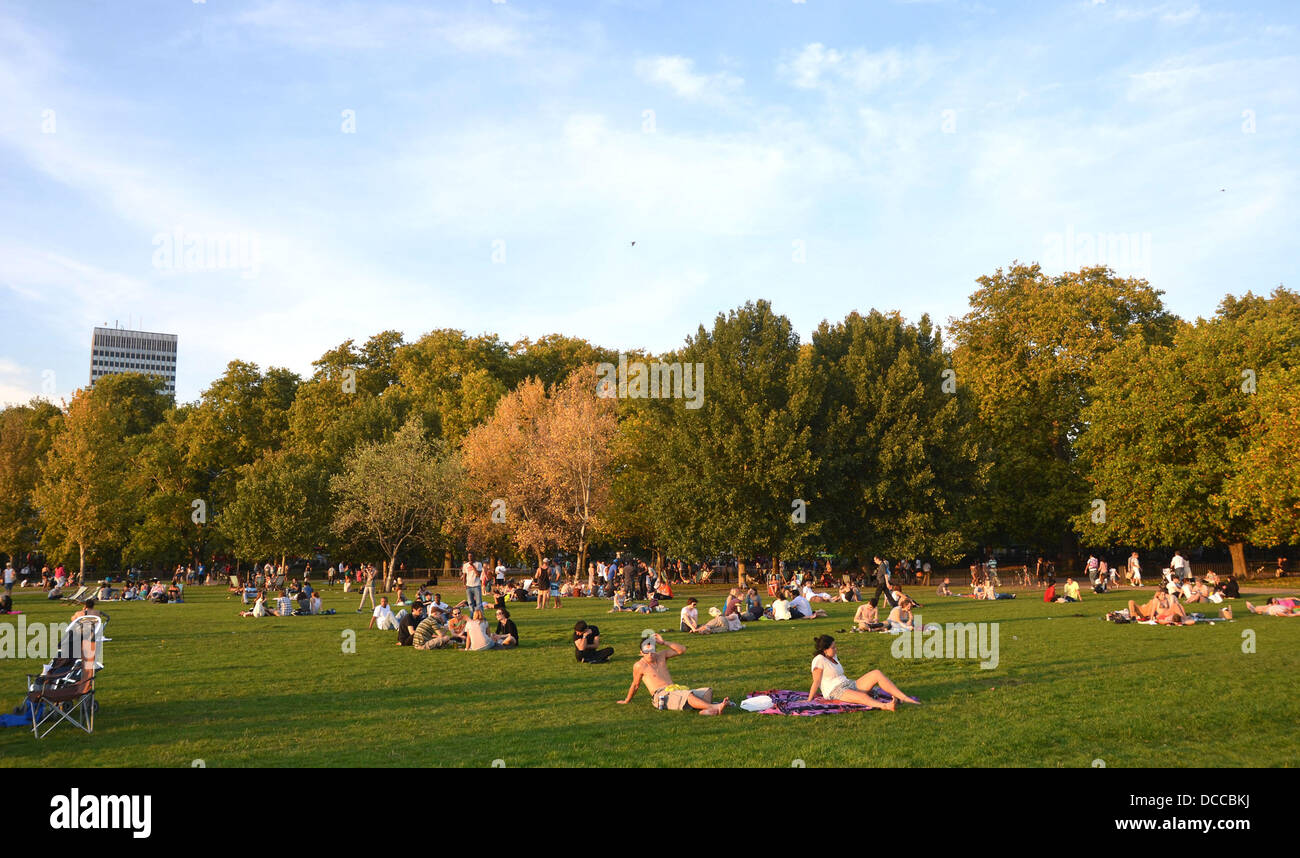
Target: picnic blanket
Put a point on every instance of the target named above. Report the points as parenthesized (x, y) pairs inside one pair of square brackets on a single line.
[(796, 703)]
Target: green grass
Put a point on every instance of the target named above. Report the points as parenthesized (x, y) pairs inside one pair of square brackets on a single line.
[(196, 681)]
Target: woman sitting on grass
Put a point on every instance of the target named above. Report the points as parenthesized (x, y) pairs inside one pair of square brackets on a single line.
[(259, 607), (944, 589), (900, 618), (753, 606), (828, 676), (476, 631)]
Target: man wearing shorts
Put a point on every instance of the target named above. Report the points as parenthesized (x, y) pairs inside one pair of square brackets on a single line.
[(652, 669)]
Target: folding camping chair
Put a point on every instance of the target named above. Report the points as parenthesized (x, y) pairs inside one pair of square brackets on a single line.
[(278, 584), (77, 596), (235, 586), (65, 688)]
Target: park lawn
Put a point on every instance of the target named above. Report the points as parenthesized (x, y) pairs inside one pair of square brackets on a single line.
[(195, 681)]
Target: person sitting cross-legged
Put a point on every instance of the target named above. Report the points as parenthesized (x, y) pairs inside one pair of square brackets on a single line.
[(477, 636), (429, 634), (507, 635), (383, 615), (867, 619)]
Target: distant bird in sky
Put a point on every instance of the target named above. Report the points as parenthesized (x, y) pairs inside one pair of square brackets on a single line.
[(634, 244), (1221, 190)]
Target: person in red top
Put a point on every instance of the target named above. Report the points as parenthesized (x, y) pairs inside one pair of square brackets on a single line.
[(1049, 595)]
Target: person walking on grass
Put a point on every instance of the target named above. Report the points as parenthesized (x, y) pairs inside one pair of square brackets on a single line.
[(367, 587)]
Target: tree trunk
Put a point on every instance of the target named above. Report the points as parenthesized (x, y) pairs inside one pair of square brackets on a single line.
[(81, 555), (1238, 551), (446, 563), (740, 573), (580, 569)]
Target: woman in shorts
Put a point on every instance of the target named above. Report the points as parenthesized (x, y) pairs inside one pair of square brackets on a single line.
[(829, 678)]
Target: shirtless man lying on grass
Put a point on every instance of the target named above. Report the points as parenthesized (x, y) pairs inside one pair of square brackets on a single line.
[(1163, 608), (652, 668)]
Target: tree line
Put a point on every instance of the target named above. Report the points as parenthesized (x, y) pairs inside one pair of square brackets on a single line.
[(1059, 411)]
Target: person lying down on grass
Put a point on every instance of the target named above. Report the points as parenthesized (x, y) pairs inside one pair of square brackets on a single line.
[(828, 676), (1276, 607), (719, 623), (1163, 608), (652, 669)]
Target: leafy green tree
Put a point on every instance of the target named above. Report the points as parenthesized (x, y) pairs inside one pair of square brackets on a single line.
[(453, 381), (399, 491), (168, 524), (85, 492), (894, 439), (281, 508), (1174, 431), (26, 432), (552, 359), (1264, 487), (242, 415), (729, 474), (1028, 349)]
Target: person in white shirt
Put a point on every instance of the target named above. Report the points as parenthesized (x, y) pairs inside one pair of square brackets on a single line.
[(690, 615), (315, 603), (829, 679), (1178, 565), (473, 575), (10, 576), (813, 596), (258, 610), (781, 607), (1134, 570), (384, 614), (800, 609)]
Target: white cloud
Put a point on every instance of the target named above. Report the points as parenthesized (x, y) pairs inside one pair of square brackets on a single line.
[(678, 73), (817, 66)]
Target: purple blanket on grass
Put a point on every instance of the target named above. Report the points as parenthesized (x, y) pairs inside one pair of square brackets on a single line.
[(796, 703)]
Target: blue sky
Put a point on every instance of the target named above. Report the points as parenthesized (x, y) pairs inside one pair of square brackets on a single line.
[(486, 166)]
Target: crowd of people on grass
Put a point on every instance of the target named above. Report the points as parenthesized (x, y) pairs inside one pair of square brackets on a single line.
[(423, 620)]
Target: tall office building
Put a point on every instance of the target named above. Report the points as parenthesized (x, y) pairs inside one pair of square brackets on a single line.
[(114, 350)]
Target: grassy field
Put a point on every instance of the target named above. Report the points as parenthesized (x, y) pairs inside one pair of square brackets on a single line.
[(195, 681)]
